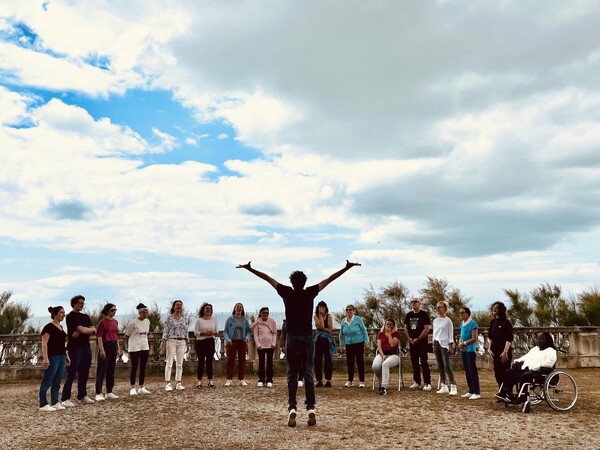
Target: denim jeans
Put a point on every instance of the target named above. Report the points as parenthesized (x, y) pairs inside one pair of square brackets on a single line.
[(418, 353), (175, 353), (205, 351), (81, 360), (52, 376), (300, 350), (469, 363), (106, 367), (265, 360), (382, 368), (442, 356), (323, 351)]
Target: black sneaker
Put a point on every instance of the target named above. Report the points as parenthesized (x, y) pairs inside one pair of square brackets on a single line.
[(383, 391), (319, 384), (327, 384)]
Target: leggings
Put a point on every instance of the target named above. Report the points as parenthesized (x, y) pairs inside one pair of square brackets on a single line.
[(140, 359), (356, 352), (205, 350)]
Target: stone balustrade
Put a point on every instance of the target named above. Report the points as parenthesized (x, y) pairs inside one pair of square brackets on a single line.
[(21, 355)]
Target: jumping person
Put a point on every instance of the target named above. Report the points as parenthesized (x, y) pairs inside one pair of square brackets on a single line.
[(299, 303)]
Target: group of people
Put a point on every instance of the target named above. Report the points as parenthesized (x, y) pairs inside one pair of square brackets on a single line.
[(306, 351)]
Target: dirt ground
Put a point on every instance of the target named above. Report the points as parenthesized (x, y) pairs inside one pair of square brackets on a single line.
[(250, 417)]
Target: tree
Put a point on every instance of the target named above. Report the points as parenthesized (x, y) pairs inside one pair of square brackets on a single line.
[(14, 316), (520, 313), (390, 302), (588, 302), (440, 290)]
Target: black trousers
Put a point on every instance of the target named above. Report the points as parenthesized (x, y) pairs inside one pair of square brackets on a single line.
[(265, 354), (322, 351), (355, 352), (138, 359), (205, 350), (418, 357)]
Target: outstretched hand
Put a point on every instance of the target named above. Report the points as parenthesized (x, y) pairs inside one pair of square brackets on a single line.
[(348, 264), (244, 266)]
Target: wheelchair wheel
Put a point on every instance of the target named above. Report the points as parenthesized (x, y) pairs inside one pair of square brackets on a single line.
[(560, 391)]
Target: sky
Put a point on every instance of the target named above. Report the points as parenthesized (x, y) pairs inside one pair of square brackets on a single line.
[(148, 147)]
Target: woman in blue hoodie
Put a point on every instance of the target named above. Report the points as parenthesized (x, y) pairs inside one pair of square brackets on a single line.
[(354, 335)]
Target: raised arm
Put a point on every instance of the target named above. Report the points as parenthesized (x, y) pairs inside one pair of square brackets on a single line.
[(259, 274), (323, 284)]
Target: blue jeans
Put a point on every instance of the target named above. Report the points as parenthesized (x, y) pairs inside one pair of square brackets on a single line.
[(81, 360), (52, 376), (300, 350), (470, 366)]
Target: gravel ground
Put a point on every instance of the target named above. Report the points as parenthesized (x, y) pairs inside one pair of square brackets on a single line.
[(249, 417)]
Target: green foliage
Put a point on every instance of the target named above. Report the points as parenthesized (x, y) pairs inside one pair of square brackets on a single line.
[(390, 302), (482, 318), (588, 302), (520, 313), (13, 316), (440, 290)]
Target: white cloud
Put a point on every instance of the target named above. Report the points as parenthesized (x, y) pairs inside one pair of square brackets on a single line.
[(223, 136)]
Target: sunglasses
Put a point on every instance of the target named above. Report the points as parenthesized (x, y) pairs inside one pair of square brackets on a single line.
[(113, 310), (349, 309), (265, 313)]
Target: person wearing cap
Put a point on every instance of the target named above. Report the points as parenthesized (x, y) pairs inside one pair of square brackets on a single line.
[(416, 327), (138, 348)]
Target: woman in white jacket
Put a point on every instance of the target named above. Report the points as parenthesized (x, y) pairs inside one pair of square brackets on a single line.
[(527, 367)]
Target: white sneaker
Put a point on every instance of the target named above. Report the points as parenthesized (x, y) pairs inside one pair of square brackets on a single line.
[(300, 383), (47, 408), (453, 390), (260, 384), (415, 385), (179, 387), (475, 397), (86, 400), (427, 387), (348, 384), (133, 391), (143, 391), (98, 398), (228, 383), (467, 395), (243, 383), (361, 385), (169, 387), (443, 389), (292, 418), (269, 384), (68, 404), (59, 407), (112, 396)]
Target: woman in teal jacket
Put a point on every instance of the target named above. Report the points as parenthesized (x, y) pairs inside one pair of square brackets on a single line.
[(354, 335)]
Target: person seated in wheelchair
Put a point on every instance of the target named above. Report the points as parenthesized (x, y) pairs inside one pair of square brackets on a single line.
[(528, 368)]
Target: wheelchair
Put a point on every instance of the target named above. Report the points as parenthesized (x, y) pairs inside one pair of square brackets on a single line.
[(556, 387)]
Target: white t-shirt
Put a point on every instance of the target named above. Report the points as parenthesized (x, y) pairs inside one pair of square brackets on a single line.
[(443, 331), (137, 330)]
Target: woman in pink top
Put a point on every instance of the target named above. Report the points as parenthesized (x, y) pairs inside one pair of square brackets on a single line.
[(265, 338), (109, 349)]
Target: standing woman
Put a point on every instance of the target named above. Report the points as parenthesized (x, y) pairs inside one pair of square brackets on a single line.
[(205, 332), (468, 352), (388, 353), (175, 338), (501, 338), (265, 338), (237, 334), (55, 359), (355, 337), (138, 348), (443, 343), (107, 334), (324, 344)]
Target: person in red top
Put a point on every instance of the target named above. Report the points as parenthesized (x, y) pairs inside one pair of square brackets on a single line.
[(109, 349), (388, 353)]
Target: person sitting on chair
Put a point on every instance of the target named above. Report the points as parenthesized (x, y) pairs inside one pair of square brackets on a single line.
[(526, 368)]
